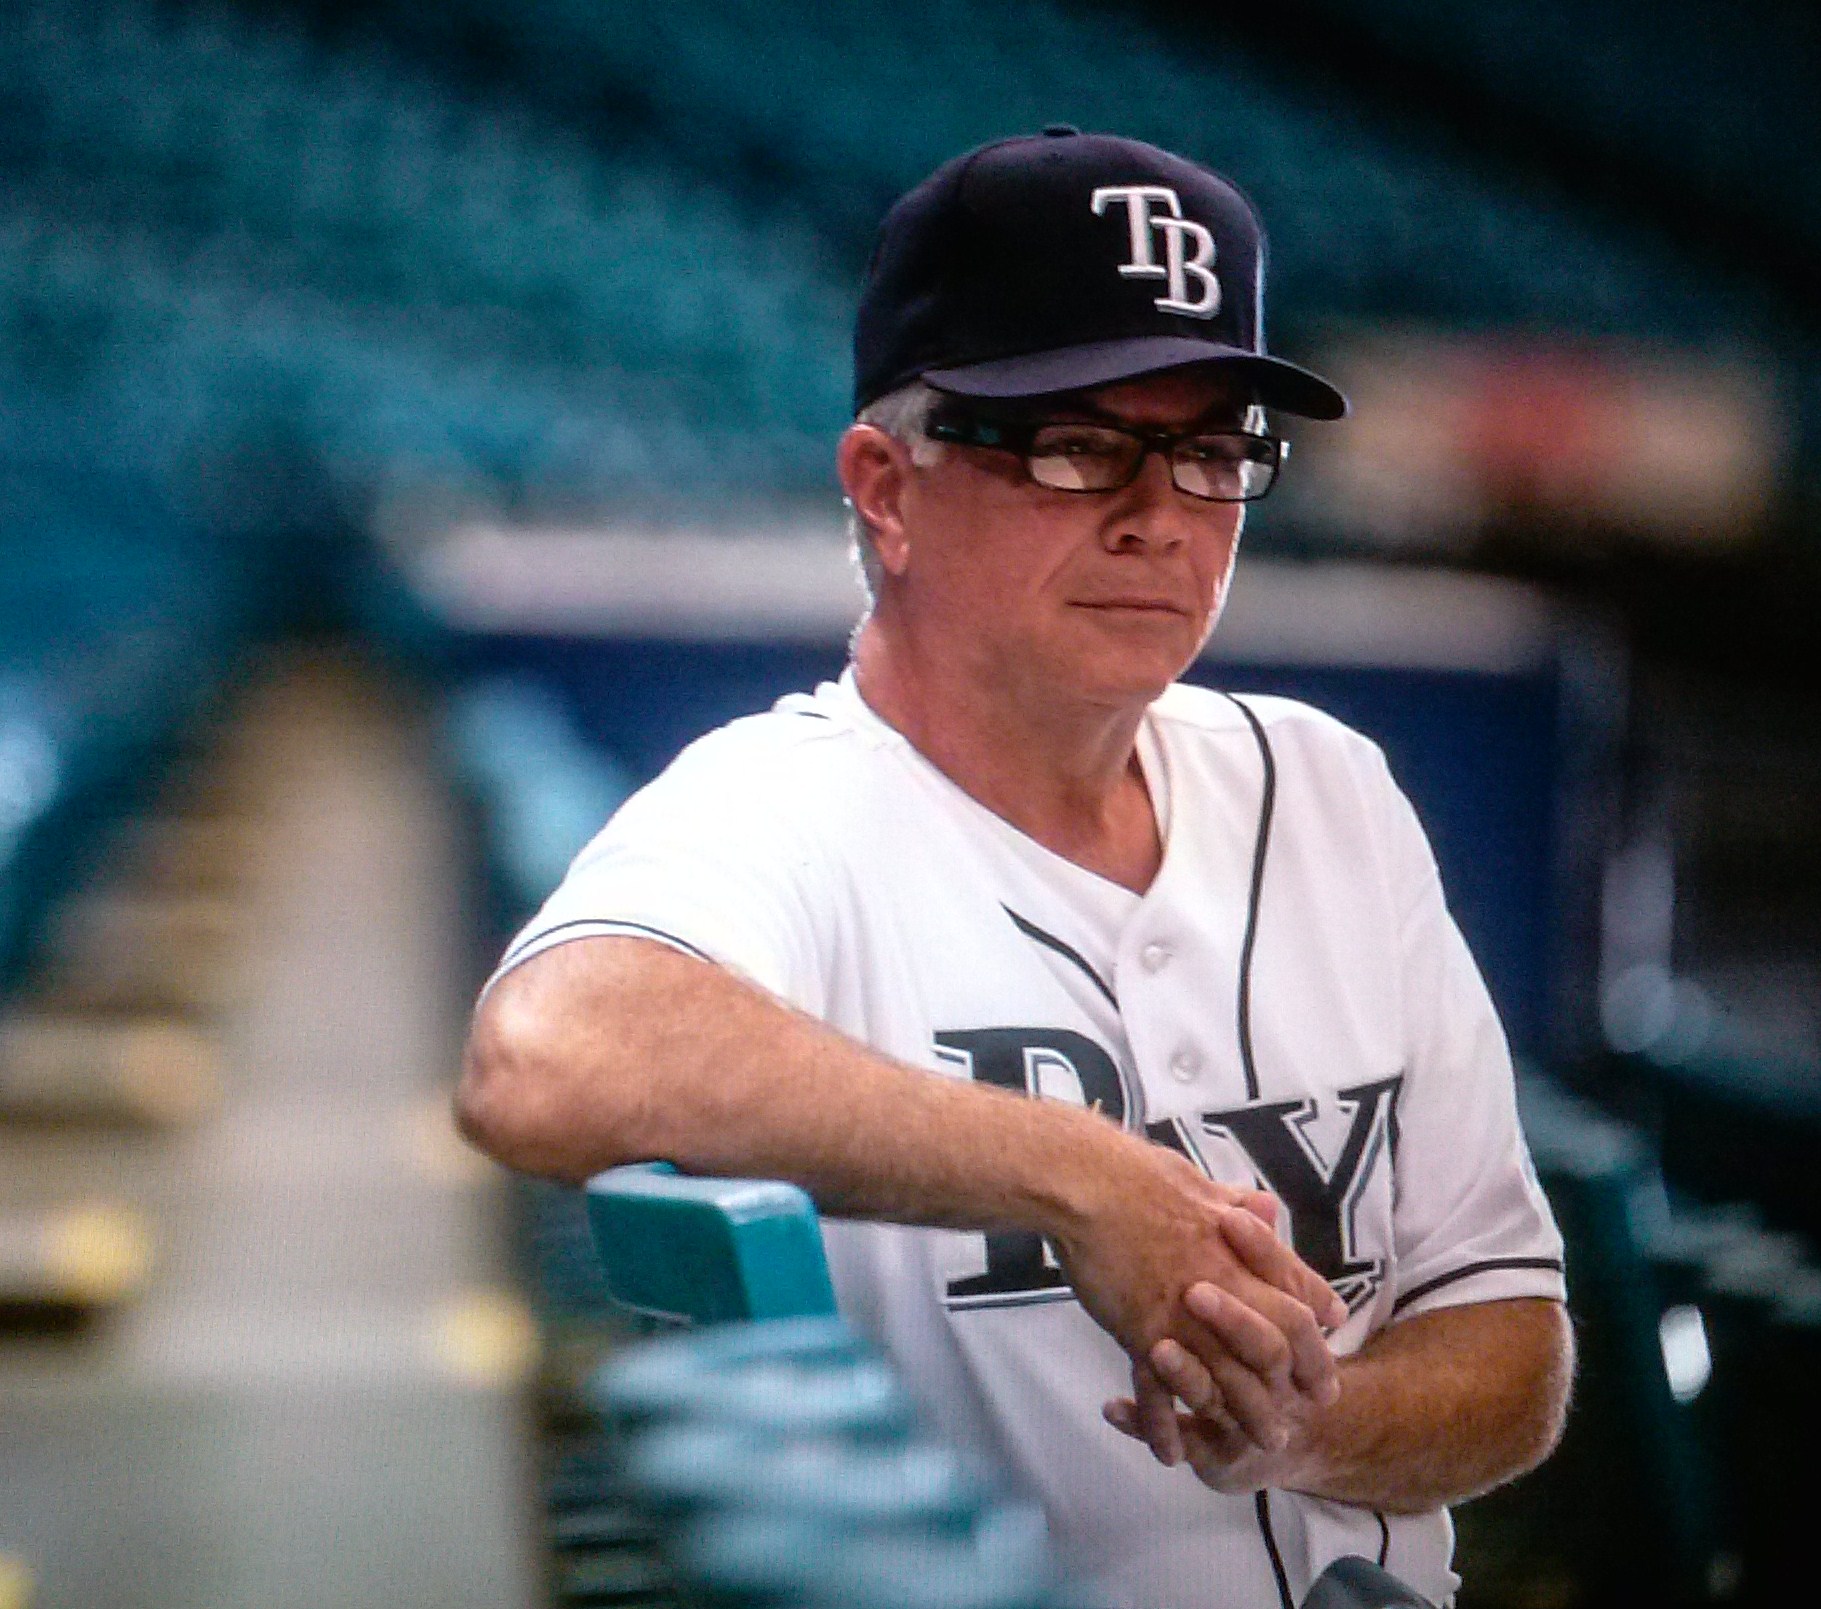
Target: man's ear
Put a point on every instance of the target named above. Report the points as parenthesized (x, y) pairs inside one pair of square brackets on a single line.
[(875, 471)]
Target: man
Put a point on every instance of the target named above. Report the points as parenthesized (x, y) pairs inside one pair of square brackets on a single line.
[(1276, 1190)]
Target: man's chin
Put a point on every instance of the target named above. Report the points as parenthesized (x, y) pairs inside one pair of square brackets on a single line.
[(1133, 680), (1137, 655)]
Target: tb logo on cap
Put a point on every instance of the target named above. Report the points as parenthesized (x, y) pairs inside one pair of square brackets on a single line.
[(1142, 202)]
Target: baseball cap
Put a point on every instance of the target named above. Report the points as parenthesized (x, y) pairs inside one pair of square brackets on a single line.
[(1060, 261)]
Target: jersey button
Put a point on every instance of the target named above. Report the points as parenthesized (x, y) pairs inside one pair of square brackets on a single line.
[(1154, 957), (1186, 1064)]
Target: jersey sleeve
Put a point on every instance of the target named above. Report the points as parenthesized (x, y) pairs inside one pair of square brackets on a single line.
[(1470, 1221), (710, 859)]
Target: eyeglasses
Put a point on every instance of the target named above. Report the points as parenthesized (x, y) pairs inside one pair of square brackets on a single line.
[(1218, 466)]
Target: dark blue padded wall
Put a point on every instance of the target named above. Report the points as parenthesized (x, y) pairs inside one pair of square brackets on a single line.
[(644, 698), (1478, 755), (1477, 752)]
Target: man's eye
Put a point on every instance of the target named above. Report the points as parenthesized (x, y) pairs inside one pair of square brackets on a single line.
[(1232, 450), (1087, 443)]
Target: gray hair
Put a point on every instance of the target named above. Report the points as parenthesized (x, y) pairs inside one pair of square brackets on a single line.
[(902, 415)]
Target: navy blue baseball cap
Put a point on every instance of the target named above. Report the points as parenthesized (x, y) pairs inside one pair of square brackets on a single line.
[(1060, 261)]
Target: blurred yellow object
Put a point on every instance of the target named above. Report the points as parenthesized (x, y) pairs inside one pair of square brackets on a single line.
[(15, 1583), (74, 1260), (76, 1067), (486, 1339), (101, 1255)]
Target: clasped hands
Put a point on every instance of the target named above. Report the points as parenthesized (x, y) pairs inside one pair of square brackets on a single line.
[(1250, 1364)]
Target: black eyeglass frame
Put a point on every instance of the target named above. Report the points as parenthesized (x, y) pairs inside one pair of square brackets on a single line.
[(966, 428)]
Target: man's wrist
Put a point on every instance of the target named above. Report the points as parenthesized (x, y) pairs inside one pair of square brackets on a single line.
[(1307, 1464), (1077, 1179)]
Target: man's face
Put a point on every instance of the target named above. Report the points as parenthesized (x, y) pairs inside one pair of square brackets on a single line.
[(1103, 596)]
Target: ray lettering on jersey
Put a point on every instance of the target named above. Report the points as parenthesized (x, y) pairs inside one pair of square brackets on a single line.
[(1172, 1133), (1322, 1197), (1057, 1063)]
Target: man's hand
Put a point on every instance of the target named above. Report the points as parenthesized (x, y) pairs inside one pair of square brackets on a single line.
[(1257, 1345), (1435, 1409), (1234, 1441), (1223, 1456)]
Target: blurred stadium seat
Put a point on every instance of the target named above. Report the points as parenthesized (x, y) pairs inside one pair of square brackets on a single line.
[(1727, 136), (118, 623), (773, 1456), (411, 281)]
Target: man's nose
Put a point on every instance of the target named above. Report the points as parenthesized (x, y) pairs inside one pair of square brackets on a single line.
[(1151, 511)]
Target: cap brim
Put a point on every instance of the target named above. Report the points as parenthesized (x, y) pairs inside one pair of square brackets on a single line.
[(1288, 387)]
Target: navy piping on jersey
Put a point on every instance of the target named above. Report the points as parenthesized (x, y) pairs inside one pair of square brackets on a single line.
[(1261, 1506), (1067, 951), (1055, 1293), (1267, 808), (1261, 845), (601, 922), (1487, 1266)]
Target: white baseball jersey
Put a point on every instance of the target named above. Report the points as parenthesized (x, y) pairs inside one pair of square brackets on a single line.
[(1364, 1078)]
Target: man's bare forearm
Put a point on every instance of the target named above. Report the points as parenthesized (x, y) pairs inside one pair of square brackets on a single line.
[(612, 1050), (1446, 1405)]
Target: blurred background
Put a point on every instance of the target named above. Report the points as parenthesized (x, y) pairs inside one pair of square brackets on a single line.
[(416, 422)]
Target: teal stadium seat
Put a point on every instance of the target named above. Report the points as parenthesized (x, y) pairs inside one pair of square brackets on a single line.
[(708, 1251), (118, 626)]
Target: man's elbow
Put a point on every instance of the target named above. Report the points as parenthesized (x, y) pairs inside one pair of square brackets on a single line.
[(522, 1102), (491, 1110), (1539, 1423)]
